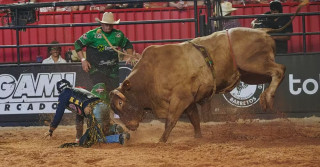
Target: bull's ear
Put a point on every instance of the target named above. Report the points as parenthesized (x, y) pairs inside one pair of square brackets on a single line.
[(125, 85)]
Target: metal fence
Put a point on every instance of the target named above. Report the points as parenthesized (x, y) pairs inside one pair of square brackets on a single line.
[(18, 26), (309, 38), (302, 26)]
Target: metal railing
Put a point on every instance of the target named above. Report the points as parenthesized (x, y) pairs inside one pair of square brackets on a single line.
[(17, 27), (205, 28), (208, 29)]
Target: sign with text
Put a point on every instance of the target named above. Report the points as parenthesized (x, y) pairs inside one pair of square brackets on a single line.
[(32, 89), (299, 91)]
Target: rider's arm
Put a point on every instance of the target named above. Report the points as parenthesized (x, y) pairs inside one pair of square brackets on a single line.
[(63, 102)]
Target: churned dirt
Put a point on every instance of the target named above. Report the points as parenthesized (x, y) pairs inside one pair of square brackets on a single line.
[(280, 142)]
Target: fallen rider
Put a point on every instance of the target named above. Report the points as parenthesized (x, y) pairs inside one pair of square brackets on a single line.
[(85, 104)]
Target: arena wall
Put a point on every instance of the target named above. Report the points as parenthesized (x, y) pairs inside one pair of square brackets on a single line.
[(28, 94), (140, 32)]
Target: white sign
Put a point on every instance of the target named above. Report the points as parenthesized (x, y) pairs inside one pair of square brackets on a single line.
[(244, 95), (29, 94), (297, 86)]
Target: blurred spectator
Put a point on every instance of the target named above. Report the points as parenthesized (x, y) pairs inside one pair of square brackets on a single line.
[(155, 4), (70, 8), (264, 1), (47, 9), (81, 7), (64, 8), (275, 23), (226, 9), (54, 53), (103, 7), (135, 5), (120, 6), (182, 4), (98, 7)]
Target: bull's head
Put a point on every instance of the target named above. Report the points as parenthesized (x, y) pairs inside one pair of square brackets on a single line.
[(126, 107)]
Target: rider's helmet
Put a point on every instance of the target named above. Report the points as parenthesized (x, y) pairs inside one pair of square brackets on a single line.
[(62, 85)]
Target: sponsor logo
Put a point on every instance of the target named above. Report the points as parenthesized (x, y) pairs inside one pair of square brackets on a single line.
[(100, 48), (29, 94), (308, 86), (84, 36), (98, 35), (244, 95), (118, 35)]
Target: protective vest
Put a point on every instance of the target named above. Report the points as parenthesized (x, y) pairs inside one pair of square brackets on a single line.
[(100, 55), (79, 99)]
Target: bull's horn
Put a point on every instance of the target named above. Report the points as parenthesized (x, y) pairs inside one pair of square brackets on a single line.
[(118, 93), (126, 85)]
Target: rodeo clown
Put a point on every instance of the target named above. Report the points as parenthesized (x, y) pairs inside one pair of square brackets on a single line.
[(103, 45), (86, 105)]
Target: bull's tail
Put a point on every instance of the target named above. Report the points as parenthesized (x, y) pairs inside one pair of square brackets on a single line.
[(302, 4)]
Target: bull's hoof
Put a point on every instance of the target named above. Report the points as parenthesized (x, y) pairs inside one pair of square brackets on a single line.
[(270, 102), (199, 135), (162, 140)]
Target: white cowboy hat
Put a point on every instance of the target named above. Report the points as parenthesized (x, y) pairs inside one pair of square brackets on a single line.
[(227, 8), (108, 18)]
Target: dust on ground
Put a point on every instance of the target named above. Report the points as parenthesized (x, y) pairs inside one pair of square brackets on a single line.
[(280, 142)]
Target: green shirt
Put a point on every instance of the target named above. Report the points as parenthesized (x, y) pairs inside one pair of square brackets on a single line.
[(95, 40), (99, 54)]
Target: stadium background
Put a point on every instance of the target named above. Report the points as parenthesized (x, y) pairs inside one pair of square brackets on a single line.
[(66, 27)]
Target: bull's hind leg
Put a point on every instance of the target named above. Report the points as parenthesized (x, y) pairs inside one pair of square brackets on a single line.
[(268, 69), (193, 115)]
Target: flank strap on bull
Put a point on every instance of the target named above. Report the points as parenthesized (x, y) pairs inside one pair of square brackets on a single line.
[(231, 50)]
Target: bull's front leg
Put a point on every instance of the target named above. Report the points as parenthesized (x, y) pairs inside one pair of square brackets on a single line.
[(176, 108)]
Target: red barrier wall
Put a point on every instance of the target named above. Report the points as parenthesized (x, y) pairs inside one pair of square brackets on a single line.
[(140, 31)]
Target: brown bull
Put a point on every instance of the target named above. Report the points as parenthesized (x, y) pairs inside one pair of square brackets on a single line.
[(171, 79)]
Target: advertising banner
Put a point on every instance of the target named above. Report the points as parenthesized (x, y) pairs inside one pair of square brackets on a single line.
[(32, 89), (297, 94), (28, 93), (28, 90)]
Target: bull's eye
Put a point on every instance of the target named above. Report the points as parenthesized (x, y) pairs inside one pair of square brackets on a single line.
[(120, 103)]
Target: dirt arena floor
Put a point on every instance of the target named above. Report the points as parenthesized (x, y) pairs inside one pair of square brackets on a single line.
[(280, 142)]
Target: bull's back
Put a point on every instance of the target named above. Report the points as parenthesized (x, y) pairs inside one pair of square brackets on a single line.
[(171, 67), (219, 50), (242, 46)]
